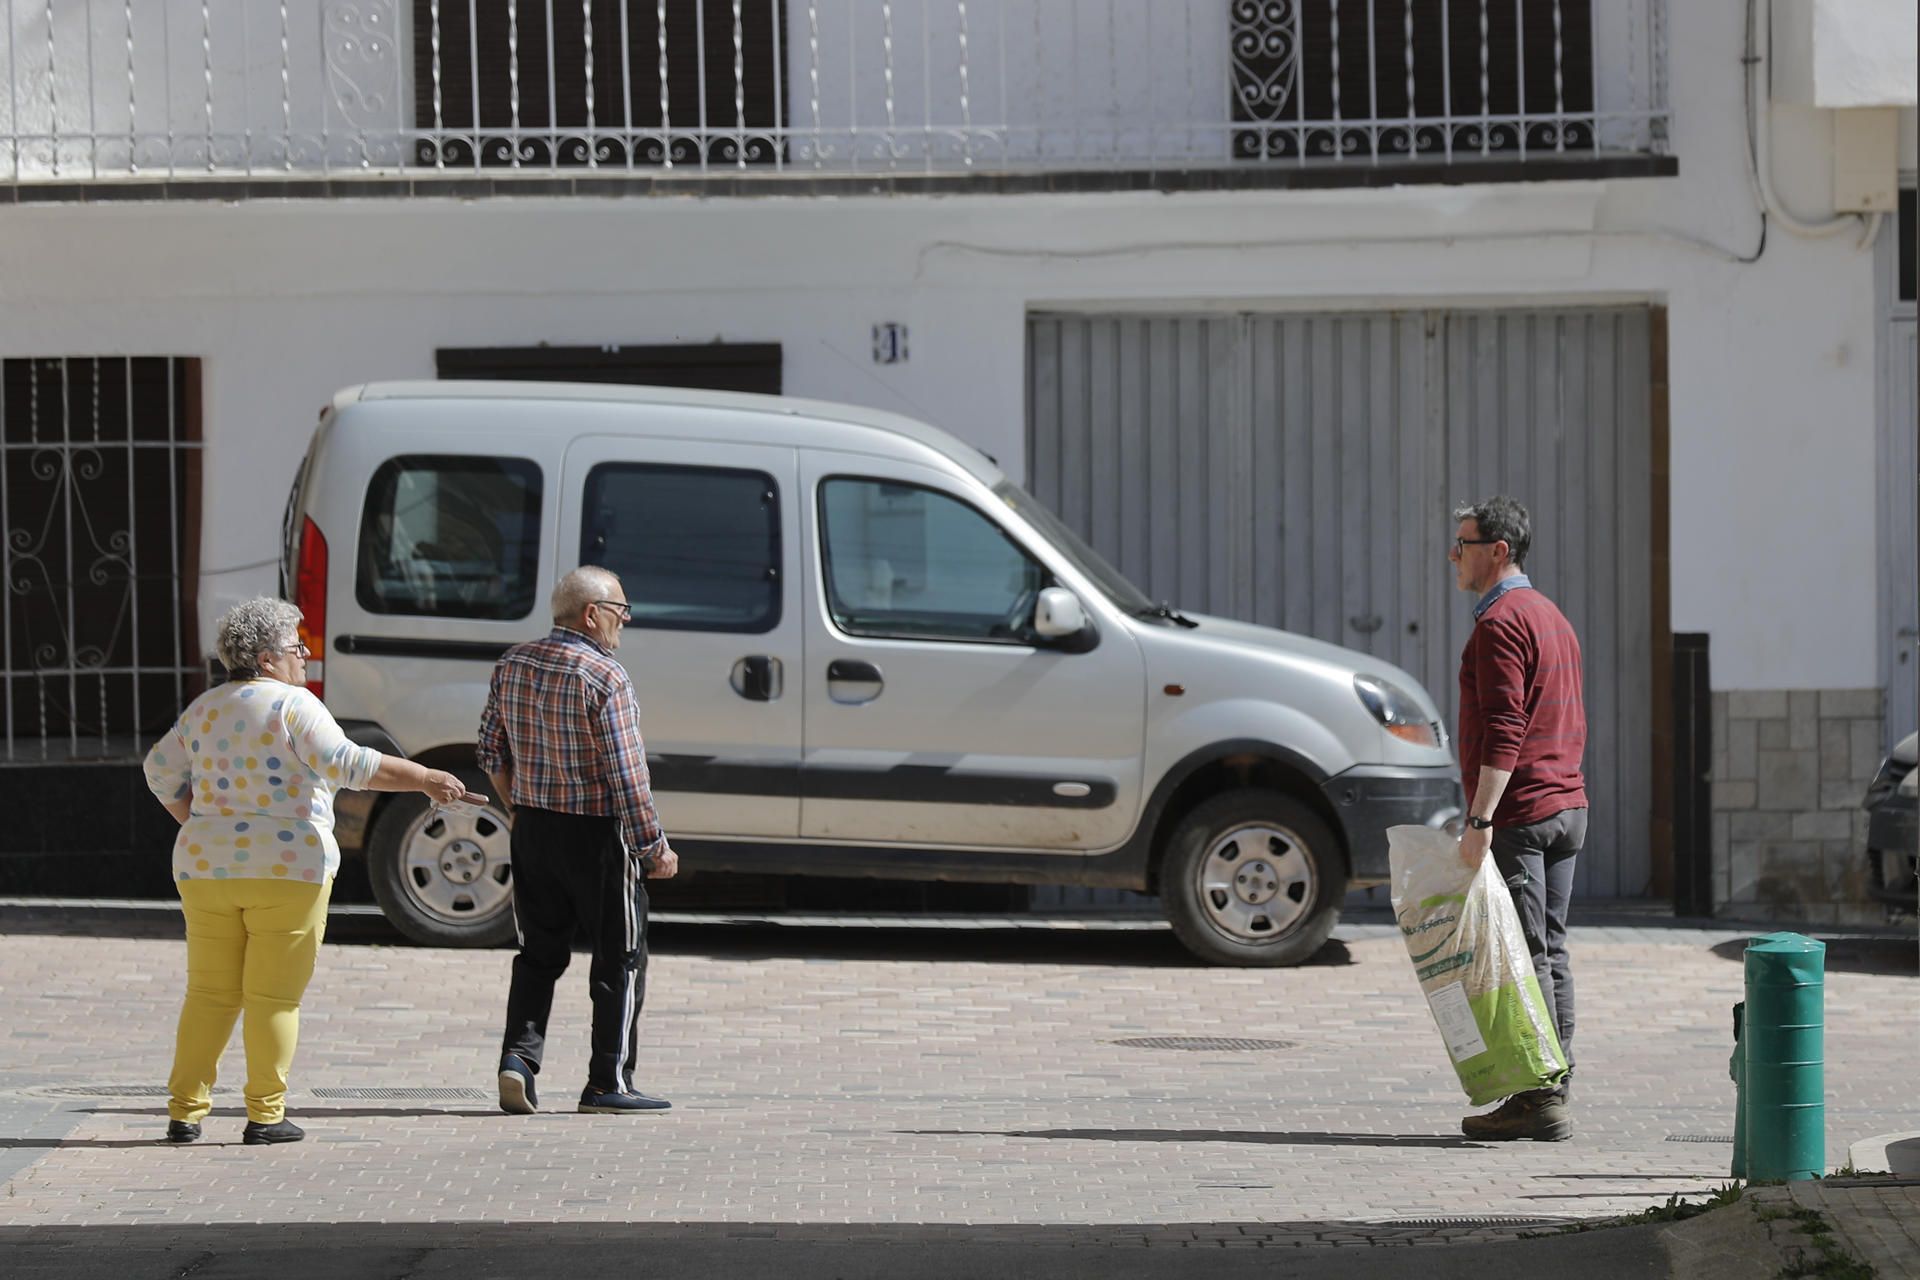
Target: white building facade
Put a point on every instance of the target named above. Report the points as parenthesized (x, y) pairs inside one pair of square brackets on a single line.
[(1250, 292)]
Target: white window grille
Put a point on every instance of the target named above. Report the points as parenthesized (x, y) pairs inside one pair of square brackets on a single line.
[(107, 90)]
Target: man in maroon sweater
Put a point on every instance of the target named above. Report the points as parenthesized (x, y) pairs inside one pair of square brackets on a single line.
[(1523, 730)]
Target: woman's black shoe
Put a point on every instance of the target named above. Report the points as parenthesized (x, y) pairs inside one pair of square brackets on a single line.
[(279, 1131), (181, 1131)]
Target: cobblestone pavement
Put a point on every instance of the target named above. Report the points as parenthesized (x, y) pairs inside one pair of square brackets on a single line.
[(1875, 1222), (932, 1080)]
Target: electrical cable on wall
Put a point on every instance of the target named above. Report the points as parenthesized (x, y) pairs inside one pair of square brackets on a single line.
[(1759, 53)]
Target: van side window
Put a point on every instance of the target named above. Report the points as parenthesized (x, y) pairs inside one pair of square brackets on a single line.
[(697, 548), (913, 563), (448, 536)]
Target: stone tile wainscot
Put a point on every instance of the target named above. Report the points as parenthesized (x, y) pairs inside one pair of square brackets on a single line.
[(1789, 770)]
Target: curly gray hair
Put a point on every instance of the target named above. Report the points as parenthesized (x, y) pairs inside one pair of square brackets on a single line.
[(1504, 519), (254, 626)]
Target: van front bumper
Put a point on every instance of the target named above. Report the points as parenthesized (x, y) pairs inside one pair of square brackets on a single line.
[(1370, 798)]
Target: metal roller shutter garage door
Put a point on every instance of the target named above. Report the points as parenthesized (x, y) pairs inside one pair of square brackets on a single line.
[(1297, 471)]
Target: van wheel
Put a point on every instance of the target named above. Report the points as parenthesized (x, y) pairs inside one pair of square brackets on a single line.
[(1252, 878), (443, 879)]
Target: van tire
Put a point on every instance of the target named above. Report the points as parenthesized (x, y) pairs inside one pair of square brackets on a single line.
[(428, 872), (1267, 906)]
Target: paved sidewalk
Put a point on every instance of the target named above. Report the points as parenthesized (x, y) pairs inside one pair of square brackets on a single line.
[(1876, 1222), (1795, 1229), (955, 1090)]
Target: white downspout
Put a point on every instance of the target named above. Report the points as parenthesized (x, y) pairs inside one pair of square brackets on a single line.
[(1762, 67)]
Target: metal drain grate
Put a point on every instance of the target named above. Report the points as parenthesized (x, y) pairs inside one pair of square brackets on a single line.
[(402, 1095), (107, 1091), (1465, 1220), (1204, 1044), (1700, 1137)]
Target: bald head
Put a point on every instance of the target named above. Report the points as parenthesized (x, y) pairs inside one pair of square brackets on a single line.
[(581, 588)]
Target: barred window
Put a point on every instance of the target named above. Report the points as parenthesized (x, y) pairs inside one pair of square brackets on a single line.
[(1326, 77), (524, 70), (99, 551)]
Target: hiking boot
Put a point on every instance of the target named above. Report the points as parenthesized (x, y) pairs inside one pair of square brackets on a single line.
[(1540, 1114)]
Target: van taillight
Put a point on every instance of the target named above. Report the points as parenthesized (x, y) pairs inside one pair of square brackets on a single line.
[(310, 597)]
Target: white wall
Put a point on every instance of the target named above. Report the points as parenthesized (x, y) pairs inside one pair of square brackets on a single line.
[(1772, 363), (1846, 53)]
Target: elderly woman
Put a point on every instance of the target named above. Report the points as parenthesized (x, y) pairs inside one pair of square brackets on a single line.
[(249, 772)]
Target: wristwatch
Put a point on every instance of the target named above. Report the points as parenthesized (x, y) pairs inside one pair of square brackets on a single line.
[(1480, 824)]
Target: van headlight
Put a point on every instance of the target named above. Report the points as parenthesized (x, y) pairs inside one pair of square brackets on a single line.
[(1398, 711)]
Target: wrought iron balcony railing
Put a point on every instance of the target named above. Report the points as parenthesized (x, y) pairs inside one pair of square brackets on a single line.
[(110, 90)]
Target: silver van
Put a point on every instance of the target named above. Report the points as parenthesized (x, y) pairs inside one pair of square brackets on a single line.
[(860, 650)]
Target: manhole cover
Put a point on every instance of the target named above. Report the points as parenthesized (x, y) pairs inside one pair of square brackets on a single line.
[(1699, 1137), (1205, 1044), (401, 1095)]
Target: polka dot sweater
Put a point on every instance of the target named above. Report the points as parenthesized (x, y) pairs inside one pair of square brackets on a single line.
[(260, 761)]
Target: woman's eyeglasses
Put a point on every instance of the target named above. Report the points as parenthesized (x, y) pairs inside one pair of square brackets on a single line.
[(297, 650)]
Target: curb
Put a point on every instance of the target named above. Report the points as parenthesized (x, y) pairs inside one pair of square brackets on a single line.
[(1895, 1153)]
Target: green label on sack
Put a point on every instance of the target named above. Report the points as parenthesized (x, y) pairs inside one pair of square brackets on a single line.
[(1454, 961)]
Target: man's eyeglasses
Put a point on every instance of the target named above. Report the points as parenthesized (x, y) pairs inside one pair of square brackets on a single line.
[(626, 610), (297, 650), (1460, 545)]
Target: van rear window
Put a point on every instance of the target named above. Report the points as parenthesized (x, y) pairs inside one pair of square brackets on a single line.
[(450, 536), (697, 548)]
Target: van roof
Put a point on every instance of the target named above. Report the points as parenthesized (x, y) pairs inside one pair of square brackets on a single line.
[(983, 466)]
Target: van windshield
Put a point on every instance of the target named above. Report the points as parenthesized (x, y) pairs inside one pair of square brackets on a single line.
[(1112, 583)]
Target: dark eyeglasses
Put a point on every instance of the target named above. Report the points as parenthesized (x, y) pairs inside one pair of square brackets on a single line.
[(626, 610), (297, 650), (1460, 545)]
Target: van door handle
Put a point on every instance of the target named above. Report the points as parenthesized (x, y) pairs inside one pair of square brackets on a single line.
[(851, 682), (756, 678)]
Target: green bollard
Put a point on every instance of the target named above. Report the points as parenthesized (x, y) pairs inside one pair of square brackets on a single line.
[(1783, 1109), (1734, 1069)]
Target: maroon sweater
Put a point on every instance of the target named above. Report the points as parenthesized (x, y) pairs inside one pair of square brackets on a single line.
[(1521, 708)]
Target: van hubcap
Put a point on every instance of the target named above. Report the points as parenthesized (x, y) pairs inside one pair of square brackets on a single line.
[(1256, 882), (457, 867)]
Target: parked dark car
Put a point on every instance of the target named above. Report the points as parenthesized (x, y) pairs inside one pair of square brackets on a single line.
[(1893, 836)]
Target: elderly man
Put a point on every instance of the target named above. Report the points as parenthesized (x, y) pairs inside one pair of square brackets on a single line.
[(561, 740), (1523, 730)]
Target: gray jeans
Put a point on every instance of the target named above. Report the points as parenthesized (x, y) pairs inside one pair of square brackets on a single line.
[(1537, 863)]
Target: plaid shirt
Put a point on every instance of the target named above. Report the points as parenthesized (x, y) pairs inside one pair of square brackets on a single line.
[(561, 716)]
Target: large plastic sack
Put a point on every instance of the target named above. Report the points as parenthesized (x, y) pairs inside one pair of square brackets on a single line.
[(1472, 962)]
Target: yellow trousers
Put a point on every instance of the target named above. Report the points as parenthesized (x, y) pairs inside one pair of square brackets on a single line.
[(250, 946)]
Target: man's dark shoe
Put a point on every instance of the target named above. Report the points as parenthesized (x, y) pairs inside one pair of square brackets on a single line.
[(517, 1096), (182, 1131), (613, 1102), (279, 1131), (1540, 1115)]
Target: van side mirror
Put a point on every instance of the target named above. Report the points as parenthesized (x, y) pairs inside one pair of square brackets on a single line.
[(1057, 614)]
